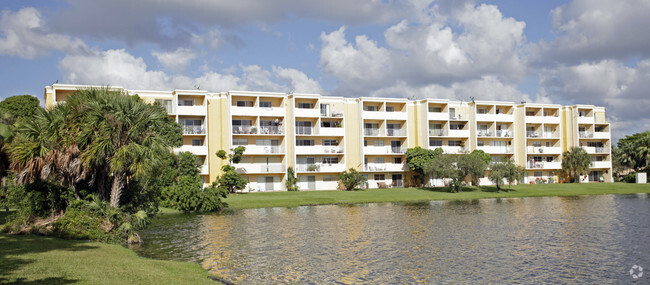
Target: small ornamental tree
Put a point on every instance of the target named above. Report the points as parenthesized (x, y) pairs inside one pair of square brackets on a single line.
[(351, 179), (505, 169), (445, 166), (418, 157), (292, 180), (230, 180)]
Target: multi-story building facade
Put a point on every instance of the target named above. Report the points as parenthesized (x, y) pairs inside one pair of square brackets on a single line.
[(322, 136)]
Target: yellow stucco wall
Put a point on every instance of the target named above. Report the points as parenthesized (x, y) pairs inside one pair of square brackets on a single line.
[(353, 134)]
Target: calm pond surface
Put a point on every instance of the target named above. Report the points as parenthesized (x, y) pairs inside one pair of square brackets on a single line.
[(589, 239)]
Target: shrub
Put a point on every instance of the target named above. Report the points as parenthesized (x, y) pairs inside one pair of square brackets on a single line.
[(351, 179), (630, 178)]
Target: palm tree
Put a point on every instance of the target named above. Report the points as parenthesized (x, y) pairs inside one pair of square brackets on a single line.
[(643, 147), (123, 137), (576, 162)]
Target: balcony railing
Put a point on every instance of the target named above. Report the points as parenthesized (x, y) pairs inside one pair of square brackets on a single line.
[(543, 165), (320, 167), (259, 168), (193, 130), (244, 130), (395, 132), (383, 150), (586, 135), (304, 130), (437, 133), (260, 149), (272, 130), (483, 133), (544, 149), (385, 167), (371, 132)]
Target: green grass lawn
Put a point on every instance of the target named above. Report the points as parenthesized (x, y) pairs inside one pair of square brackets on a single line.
[(30, 259), (293, 199)]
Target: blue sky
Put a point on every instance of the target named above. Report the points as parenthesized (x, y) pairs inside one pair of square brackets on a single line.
[(567, 52)]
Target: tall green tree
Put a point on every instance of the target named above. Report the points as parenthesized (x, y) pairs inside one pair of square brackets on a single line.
[(506, 169), (576, 162), (230, 180), (445, 166), (292, 180), (418, 157), (189, 195), (20, 106)]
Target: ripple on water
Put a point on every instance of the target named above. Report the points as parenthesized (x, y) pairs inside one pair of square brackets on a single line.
[(593, 239)]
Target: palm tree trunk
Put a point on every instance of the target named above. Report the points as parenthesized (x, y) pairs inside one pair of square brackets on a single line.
[(116, 188)]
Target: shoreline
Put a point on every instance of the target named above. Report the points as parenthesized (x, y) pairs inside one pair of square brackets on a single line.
[(399, 195)]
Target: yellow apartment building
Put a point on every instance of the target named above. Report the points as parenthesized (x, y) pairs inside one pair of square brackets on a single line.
[(322, 136)]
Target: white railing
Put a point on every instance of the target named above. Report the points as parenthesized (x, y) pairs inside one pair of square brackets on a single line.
[(503, 133), (593, 150), (602, 135), (260, 149), (395, 132), (379, 115), (601, 164), (259, 168), (544, 149), (496, 149), (585, 135), (437, 133), (543, 119), (372, 132), (244, 130), (495, 117), (318, 149), (459, 133), (450, 149), (438, 116), (543, 165), (332, 114), (304, 130), (193, 130), (383, 150), (338, 132), (320, 167), (299, 112), (586, 120), (483, 133), (192, 110), (385, 167), (271, 130), (550, 135), (532, 134), (257, 111)]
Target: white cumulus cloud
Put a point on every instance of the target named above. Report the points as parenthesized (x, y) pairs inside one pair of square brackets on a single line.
[(176, 60)]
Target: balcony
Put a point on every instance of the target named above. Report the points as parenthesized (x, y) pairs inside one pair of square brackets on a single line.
[(244, 168), (495, 117), (543, 119), (332, 114), (601, 164), (378, 115), (385, 167), (459, 133), (585, 135), (372, 132), (255, 111), (271, 130), (305, 131), (437, 133), (395, 132), (498, 134), (543, 150), (602, 135), (311, 113), (318, 149), (260, 149), (543, 165), (320, 167), (450, 149), (542, 135), (192, 110), (586, 120), (438, 116), (334, 132), (596, 150), (196, 150), (383, 150), (496, 149), (193, 130), (244, 130)]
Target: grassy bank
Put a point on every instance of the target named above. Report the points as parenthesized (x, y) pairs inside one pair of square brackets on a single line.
[(293, 199), (31, 259)]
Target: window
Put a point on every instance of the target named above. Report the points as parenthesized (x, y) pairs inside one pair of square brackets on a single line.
[(537, 174), (185, 102), (197, 142), (435, 109), (380, 177), (329, 178), (390, 109), (582, 113), (330, 160), (537, 144), (378, 143), (482, 127), (371, 108), (239, 141), (331, 142), (379, 160), (530, 113), (189, 123), (480, 143), (264, 104), (397, 160), (324, 110), (305, 105), (330, 124), (455, 143), (548, 144), (499, 111), (435, 143), (456, 126), (482, 111), (365, 143), (304, 142), (549, 159), (244, 103)]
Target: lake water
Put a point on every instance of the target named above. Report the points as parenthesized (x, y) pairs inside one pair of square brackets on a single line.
[(589, 239)]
